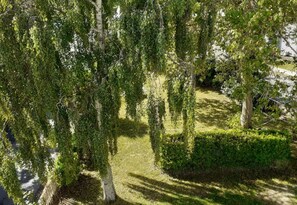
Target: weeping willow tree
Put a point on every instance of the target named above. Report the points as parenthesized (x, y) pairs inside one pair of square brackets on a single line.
[(70, 61), (193, 23), (181, 81), (143, 34), (63, 61), (18, 81), (183, 31), (171, 38)]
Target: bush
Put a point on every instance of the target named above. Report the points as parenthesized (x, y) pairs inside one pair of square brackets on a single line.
[(227, 149), (175, 155)]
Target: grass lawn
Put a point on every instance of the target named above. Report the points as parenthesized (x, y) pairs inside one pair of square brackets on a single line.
[(288, 66), (138, 181)]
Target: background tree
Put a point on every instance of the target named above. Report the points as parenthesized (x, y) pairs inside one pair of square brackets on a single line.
[(248, 33)]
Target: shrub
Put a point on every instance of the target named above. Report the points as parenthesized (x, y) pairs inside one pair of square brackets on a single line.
[(227, 149), (174, 152)]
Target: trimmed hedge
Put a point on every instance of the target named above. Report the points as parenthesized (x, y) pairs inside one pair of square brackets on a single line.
[(174, 153), (226, 149)]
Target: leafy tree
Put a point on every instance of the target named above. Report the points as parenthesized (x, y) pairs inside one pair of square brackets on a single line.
[(59, 61), (69, 62), (248, 32)]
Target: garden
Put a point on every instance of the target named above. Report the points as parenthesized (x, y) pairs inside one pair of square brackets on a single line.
[(148, 102)]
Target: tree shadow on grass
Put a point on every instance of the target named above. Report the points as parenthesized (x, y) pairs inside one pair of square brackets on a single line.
[(238, 174), (132, 129), (268, 190), (157, 191), (191, 193), (214, 112), (86, 190)]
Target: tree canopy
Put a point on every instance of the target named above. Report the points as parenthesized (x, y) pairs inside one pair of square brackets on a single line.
[(71, 62)]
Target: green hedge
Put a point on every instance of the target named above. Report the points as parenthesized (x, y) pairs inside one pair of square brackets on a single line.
[(224, 149), (174, 153)]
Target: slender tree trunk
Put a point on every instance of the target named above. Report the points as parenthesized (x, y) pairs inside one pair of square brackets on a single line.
[(247, 111), (99, 22), (109, 194)]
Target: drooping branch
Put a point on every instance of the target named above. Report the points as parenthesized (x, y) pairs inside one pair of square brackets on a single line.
[(4, 13), (180, 62), (3, 129), (161, 15), (93, 3), (288, 43)]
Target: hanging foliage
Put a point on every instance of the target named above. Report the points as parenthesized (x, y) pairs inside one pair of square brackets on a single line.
[(131, 71), (206, 20), (153, 39), (156, 115), (9, 178), (181, 76)]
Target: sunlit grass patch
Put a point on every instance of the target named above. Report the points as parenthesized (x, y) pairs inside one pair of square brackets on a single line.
[(288, 66), (139, 181)]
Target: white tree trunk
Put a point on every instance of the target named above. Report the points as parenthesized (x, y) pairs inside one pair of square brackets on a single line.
[(98, 107), (109, 194), (48, 193), (247, 111), (99, 23)]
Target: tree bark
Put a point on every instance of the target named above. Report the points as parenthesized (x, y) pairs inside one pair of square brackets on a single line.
[(247, 111), (109, 194), (99, 22)]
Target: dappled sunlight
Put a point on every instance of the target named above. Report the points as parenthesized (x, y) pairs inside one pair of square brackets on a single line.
[(86, 190), (212, 112), (278, 191), (192, 193), (163, 192), (138, 180)]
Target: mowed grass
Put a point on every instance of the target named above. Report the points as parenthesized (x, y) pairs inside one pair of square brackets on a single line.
[(139, 181), (288, 66)]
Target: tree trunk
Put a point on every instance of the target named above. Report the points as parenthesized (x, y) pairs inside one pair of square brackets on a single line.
[(99, 24), (109, 194), (247, 111)]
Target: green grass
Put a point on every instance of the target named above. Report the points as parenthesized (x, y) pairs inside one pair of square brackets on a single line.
[(138, 181), (288, 66)]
